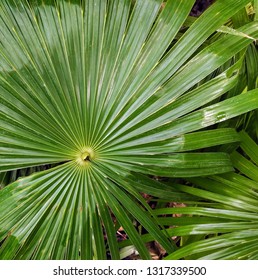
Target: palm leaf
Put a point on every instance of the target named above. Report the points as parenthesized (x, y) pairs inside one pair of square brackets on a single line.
[(229, 219), (102, 90)]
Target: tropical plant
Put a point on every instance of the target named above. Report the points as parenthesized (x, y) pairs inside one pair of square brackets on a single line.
[(107, 95), (225, 223)]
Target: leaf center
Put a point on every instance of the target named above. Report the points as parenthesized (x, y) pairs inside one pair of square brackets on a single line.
[(85, 157)]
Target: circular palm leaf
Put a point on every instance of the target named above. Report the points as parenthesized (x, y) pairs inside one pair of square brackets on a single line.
[(103, 89)]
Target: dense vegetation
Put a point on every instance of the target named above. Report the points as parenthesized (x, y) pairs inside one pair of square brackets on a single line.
[(128, 126)]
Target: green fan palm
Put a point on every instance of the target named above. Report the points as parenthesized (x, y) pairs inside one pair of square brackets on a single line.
[(104, 90)]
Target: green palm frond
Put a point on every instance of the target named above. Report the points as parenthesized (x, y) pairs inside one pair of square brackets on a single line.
[(101, 90), (248, 74), (228, 215)]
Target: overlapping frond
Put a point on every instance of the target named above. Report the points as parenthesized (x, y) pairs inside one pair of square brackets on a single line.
[(228, 215)]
